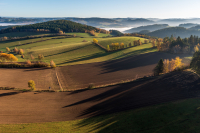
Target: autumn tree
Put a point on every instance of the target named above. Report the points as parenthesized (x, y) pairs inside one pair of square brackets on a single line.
[(108, 47), (122, 45), (95, 41), (40, 56), (52, 64), (159, 45), (196, 48), (60, 32), (166, 66), (32, 57), (16, 50), (7, 49), (21, 51), (8, 57), (28, 62), (129, 44), (31, 84)]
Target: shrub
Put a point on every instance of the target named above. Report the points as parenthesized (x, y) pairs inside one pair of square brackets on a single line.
[(7, 49), (91, 86), (28, 62), (95, 40), (40, 57), (52, 64), (21, 51), (31, 84), (15, 50), (32, 57)]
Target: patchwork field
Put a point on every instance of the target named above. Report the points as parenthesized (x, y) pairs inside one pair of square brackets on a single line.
[(28, 107)]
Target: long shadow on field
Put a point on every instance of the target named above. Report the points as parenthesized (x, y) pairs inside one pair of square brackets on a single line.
[(73, 49), (101, 54), (170, 87), (8, 94), (136, 61)]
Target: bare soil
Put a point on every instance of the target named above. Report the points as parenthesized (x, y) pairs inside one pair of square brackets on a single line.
[(80, 76), (18, 78), (28, 107)]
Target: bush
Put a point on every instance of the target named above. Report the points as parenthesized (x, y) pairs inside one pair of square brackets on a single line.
[(21, 51), (32, 57), (31, 84), (40, 56), (7, 49), (91, 86), (52, 64), (28, 62)]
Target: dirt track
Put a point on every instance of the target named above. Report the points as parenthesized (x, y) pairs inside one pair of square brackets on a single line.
[(27, 107), (80, 76)]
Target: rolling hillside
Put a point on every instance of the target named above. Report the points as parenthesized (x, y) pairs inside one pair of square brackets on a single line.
[(148, 27), (176, 31)]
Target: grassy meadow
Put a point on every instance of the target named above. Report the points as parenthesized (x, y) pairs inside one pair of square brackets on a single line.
[(180, 116), (71, 51), (22, 34)]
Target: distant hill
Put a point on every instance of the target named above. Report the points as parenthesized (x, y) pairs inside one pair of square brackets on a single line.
[(3, 27), (52, 26), (188, 25), (148, 27), (176, 31), (197, 27)]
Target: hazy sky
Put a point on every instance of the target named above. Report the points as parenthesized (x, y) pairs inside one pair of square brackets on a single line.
[(101, 8)]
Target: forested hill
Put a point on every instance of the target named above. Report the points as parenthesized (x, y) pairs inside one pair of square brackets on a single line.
[(52, 26), (148, 27), (176, 31)]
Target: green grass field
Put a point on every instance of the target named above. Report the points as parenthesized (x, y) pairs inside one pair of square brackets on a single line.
[(88, 35), (22, 34), (71, 51), (126, 40), (180, 116)]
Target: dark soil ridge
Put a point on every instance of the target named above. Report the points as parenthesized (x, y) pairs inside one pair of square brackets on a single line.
[(29, 107)]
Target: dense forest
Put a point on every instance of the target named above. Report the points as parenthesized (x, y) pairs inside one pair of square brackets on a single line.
[(53, 26), (176, 31)]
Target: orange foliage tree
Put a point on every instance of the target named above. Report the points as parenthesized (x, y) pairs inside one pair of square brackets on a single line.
[(8, 57)]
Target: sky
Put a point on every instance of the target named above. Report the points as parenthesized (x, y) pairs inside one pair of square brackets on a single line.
[(101, 8)]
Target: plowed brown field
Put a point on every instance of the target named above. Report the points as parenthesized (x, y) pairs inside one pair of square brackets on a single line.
[(80, 76), (27, 107)]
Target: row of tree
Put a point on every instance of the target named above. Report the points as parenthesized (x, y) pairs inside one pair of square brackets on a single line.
[(168, 66)]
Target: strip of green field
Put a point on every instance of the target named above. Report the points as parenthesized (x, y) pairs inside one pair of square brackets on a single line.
[(22, 34), (174, 117), (70, 51), (125, 40), (88, 35)]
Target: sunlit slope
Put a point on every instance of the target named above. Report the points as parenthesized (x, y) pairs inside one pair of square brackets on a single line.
[(69, 51)]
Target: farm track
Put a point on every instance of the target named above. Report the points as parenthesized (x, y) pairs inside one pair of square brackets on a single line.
[(28, 107)]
